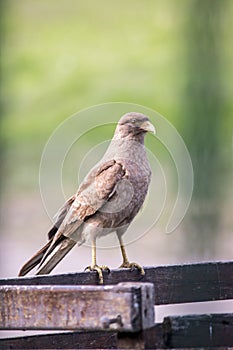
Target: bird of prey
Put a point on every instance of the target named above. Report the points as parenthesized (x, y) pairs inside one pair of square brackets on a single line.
[(107, 200)]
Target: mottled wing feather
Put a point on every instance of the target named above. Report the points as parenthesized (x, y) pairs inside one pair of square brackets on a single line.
[(93, 197), (99, 187), (89, 179)]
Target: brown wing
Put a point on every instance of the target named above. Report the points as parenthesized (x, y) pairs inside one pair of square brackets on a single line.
[(89, 179), (93, 193)]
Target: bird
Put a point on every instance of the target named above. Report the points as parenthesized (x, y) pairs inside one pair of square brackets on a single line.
[(107, 200)]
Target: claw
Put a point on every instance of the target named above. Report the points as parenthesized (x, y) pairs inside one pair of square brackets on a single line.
[(128, 265), (99, 270)]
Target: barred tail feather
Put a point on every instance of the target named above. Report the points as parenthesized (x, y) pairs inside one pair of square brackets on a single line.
[(55, 256), (35, 260)]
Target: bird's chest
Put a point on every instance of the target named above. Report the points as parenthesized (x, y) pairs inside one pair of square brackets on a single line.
[(136, 182), (137, 172)]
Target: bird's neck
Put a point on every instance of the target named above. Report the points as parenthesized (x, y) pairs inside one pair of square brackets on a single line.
[(126, 137), (126, 148)]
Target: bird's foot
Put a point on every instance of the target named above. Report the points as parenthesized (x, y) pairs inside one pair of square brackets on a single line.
[(132, 265), (99, 270)]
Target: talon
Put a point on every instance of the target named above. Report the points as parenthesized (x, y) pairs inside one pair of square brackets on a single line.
[(128, 265), (99, 270), (105, 268)]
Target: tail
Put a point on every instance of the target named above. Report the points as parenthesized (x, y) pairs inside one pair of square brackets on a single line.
[(55, 250), (35, 260), (55, 255)]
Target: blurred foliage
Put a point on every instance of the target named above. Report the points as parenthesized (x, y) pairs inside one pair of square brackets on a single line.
[(174, 56), (64, 55), (206, 116), (61, 56), (2, 143)]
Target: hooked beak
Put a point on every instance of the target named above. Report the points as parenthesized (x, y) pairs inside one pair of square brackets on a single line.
[(148, 127)]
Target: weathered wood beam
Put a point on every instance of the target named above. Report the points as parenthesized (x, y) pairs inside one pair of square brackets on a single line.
[(124, 307), (172, 284), (213, 331), (69, 340)]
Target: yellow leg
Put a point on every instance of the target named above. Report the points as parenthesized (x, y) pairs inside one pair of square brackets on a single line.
[(126, 263), (94, 266), (123, 251), (93, 252)]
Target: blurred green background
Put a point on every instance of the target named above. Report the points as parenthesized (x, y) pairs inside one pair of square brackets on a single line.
[(174, 56)]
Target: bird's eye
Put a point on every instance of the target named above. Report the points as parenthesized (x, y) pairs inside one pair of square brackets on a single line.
[(133, 121)]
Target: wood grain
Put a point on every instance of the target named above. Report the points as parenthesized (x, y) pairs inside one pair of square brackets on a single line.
[(124, 307), (187, 332), (48, 299), (172, 284)]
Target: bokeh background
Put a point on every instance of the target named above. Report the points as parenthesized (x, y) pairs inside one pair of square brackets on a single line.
[(173, 56)]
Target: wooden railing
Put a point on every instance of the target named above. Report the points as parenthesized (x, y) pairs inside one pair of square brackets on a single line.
[(119, 314)]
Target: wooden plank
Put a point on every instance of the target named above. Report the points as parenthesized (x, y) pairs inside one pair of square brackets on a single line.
[(196, 331), (125, 307), (172, 284), (69, 340), (215, 330)]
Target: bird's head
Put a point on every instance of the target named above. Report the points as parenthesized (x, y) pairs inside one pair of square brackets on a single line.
[(134, 125)]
